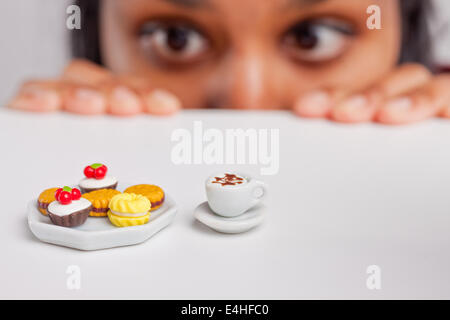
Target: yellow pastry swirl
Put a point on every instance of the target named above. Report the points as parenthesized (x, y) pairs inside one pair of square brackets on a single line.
[(130, 203), (120, 221)]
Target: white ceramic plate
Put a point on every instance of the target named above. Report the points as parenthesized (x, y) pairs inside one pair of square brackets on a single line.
[(98, 232), (239, 224)]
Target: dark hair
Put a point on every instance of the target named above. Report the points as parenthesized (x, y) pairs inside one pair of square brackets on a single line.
[(85, 42), (416, 38)]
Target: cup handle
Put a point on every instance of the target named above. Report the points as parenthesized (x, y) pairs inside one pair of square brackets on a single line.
[(262, 186)]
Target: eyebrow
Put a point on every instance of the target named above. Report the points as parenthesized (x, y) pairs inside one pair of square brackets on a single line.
[(189, 3), (205, 3), (304, 3)]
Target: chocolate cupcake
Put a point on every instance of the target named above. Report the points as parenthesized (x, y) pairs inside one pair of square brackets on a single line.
[(70, 210), (96, 179)]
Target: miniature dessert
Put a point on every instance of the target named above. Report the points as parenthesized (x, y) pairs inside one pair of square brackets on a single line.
[(97, 179), (45, 198), (69, 209), (129, 209), (153, 193), (230, 195), (100, 201)]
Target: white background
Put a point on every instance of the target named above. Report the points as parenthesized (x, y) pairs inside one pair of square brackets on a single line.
[(345, 197), (34, 42)]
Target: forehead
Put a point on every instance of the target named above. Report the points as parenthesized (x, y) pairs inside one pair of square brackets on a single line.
[(239, 5), (209, 3), (249, 11)]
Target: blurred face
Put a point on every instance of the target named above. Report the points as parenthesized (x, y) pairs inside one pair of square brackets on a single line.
[(249, 53)]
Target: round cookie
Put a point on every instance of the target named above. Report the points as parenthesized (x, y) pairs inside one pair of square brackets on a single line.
[(129, 209), (45, 198), (100, 201), (153, 193)]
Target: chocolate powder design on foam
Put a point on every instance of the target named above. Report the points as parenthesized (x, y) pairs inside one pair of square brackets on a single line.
[(71, 220), (87, 190), (228, 180)]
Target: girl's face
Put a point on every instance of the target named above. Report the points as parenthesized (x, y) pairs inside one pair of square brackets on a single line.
[(249, 53)]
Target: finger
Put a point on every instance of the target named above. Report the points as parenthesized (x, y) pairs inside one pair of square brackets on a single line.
[(121, 100), (85, 72), (404, 79), (446, 112), (356, 108), (38, 96), (124, 102), (421, 104), (444, 85), (363, 106), (154, 101), (84, 100), (317, 104), (161, 102)]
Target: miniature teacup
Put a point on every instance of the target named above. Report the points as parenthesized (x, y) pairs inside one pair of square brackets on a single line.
[(230, 195)]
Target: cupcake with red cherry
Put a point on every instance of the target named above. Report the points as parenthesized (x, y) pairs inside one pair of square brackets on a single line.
[(96, 178), (69, 209)]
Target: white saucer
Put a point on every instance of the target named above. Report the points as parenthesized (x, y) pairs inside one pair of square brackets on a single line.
[(239, 224), (98, 232)]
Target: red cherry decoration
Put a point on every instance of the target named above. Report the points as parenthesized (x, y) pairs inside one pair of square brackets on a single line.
[(95, 170), (57, 193), (100, 172), (89, 172), (65, 197), (76, 194)]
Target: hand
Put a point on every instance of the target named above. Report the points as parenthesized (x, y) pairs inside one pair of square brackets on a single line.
[(86, 88), (408, 94)]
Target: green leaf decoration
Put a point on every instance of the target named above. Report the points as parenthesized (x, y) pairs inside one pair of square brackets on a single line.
[(66, 188), (96, 165)]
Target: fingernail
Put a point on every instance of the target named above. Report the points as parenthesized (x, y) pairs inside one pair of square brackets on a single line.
[(86, 101), (354, 109), (124, 102), (36, 99), (354, 102), (123, 94), (399, 104), (162, 102), (87, 94), (314, 103)]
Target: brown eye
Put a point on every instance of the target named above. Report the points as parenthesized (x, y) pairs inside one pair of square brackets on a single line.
[(173, 43), (305, 36), (317, 40), (177, 38)]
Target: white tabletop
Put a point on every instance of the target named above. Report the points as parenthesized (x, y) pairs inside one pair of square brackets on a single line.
[(345, 197)]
